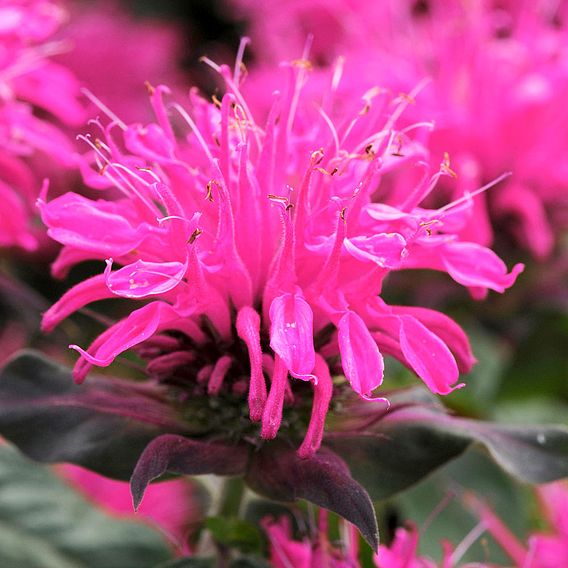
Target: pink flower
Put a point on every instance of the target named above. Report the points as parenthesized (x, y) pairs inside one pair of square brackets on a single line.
[(113, 53), (403, 553), (313, 552), (499, 79), (547, 549), (31, 86), (273, 232), (167, 505)]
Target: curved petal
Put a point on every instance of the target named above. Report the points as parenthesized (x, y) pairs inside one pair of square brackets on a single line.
[(360, 357), (473, 265), (428, 356), (446, 329), (136, 328), (85, 224), (90, 290), (292, 334), (141, 279)]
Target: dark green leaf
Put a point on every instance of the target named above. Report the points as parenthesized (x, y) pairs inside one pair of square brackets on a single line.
[(46, 524), (412, 441), (103, 425), (324, 479), (397, 458)]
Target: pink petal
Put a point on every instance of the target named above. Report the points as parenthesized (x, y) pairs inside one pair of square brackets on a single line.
[(360, 357), (248, 328), (323, 390), (141, 279), (79, 222), (447, 330), (292, 334), (272, 415), (428, 355), (90, 290), (136, 328), (383, 249), (473, 265)]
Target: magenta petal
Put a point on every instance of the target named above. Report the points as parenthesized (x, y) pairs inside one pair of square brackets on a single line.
[(473, 265), (137, 327), (383, 249), (272, 414), (141, 279), (248, 328), (323, 390), (85, 292), (292, 334), (428, 355), (79, 222), (447, 330), (360, 357)]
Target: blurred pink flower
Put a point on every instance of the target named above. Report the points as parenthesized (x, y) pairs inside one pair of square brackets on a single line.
[(281, 236), (169, 505), (314, 552), (37, 98), (113, 53), (499, 75), (546, 549), (403, 553)]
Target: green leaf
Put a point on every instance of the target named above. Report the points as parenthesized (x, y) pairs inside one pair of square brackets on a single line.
[(102, 425), (396, 459), (46, 524), (413, 440), (476, 473), (235, 533)]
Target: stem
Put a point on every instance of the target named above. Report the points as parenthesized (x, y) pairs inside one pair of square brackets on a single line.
[(226, 498), (232, 497)]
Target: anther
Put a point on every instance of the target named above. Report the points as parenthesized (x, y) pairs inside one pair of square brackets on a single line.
[(194, 236)]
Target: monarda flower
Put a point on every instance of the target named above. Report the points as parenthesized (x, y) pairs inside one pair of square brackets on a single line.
[(403, 551), (37, 97), (312, 551), (499, 75), (258, 253), (105, 39), (170, 507), (544, 549)]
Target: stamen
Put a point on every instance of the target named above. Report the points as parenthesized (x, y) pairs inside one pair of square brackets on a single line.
[(467, 542), (332, 129), (98, 103), (239, 65), (183, 113), (471, 195)]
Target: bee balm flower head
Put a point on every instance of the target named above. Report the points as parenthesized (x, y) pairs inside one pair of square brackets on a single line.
[(258, 253)]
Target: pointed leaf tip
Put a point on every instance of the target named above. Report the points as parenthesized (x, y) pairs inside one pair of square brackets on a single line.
[(181, 455), (277, 472)]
